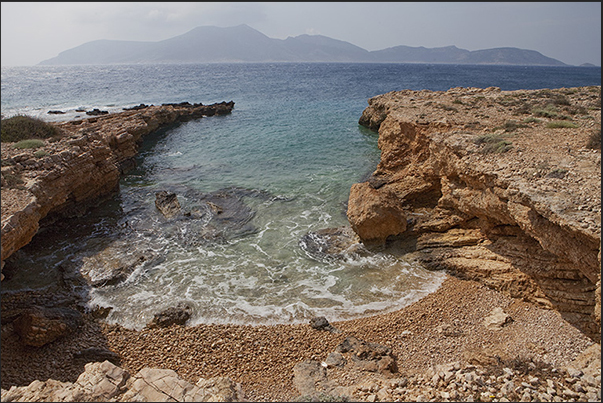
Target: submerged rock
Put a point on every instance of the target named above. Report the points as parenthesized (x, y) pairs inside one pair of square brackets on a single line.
[(167, 203), (115, 263), (332, 243)]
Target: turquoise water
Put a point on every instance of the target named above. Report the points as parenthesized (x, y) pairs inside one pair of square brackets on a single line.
[(288, 154)]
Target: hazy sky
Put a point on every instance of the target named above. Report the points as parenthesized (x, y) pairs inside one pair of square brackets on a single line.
[(567, 31)]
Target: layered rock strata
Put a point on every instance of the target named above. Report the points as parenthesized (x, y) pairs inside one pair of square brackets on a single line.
[(69, 174), (503, 187)]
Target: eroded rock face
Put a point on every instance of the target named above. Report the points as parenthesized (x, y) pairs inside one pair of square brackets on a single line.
[(488, 191), (81, 168)]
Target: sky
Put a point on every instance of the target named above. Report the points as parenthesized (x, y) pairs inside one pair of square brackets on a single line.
[(566, 31)]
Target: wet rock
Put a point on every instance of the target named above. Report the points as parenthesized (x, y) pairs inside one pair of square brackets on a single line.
[(136, 108), (177, 315), (332, 243), (167, 203), (321, 323), (96, 112), (56, 112), (39, 326), (114, 264)]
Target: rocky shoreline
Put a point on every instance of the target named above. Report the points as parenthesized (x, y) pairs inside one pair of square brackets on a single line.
[(485, 184)]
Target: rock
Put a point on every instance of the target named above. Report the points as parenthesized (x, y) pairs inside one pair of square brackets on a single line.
[(497, 319), (105, 382), (332, 244), (93, 354), (321, 323), (167, 203), (157, 385), (114, 264), (220, 389), (39, 326), (87, 162), (164, 385), (335, 359), (371, 357), (136, 108), (56, 112), (102, 381), (44, 391), (96, 112), (305, 376), (177, 315), (375, 214)]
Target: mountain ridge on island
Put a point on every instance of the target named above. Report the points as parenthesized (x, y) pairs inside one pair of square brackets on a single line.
[(210, 44)]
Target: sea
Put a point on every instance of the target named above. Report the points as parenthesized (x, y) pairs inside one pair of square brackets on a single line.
[(285, 157)]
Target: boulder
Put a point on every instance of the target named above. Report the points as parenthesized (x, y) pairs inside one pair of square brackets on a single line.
[(375, 214), (306, 375), (177, 315), (368, 356), (164, 385), (321, 323), (38, 326)]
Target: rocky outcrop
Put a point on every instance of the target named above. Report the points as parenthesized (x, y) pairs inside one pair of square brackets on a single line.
[(68, 175), (488, 185), (105, 382)]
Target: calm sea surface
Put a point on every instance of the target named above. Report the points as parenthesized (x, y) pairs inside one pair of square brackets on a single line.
[(288, 155)]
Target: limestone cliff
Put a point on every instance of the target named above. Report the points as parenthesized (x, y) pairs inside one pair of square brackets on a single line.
[(498, 186), (67, 175)]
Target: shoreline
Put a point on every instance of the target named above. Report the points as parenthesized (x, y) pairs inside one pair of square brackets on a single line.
[(444, 327), (517, 237)]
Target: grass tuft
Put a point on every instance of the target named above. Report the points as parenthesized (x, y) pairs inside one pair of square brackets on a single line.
[(561, 125), (31, 143)]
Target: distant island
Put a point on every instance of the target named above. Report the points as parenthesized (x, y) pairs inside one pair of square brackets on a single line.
[(209, 44)]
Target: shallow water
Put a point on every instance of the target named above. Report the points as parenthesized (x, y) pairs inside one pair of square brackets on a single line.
[(286, 158)]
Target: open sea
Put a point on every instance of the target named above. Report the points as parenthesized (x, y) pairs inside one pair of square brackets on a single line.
[(287, 156)]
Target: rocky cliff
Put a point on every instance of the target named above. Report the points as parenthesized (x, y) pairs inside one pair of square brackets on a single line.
[(67, 175), (502, 187)]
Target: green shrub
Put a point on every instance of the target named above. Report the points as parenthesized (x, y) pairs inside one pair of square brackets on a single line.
[(40, 153), (561, 124), (548, 111), (13, 180), (22, 127), (493, 144), (532, 120), (32, 143)]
